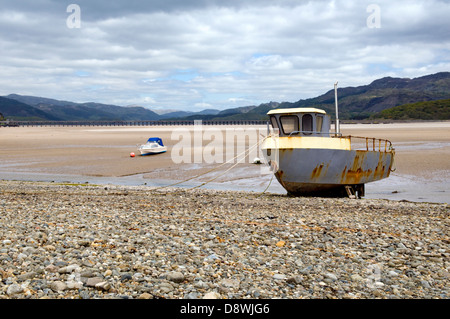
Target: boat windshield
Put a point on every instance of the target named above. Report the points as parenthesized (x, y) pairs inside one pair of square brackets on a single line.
[(289, 123), (307, 123), (319, 123), (273, 120)]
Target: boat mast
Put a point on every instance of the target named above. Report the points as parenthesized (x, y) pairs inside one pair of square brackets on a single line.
[(337, 128)]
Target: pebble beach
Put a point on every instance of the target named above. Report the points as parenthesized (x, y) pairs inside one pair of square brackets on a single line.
[(83, 241)]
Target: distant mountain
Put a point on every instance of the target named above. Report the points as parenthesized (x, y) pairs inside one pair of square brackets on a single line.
[(71, 111), (184, 114), (132, 113), (209, 112), (12, 109), (237, 110), (355, 102), (252, 112), (362, 101), (359, 102), (36, 100)]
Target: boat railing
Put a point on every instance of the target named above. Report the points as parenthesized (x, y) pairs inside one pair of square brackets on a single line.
[(357, 142), (369, 143)]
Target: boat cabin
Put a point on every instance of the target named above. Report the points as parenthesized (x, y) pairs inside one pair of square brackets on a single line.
[(300, 122)]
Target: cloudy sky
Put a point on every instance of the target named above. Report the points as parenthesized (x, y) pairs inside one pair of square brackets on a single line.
[(192, 55)]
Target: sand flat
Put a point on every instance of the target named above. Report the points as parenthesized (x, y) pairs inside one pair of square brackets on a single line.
[(422, 151)]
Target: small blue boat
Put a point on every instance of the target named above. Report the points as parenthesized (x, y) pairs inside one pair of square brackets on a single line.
[(154, 145)]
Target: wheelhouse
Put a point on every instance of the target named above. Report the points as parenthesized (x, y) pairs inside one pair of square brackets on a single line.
[(300, 122)]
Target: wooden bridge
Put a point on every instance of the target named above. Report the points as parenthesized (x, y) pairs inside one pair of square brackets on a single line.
[(131, 123)]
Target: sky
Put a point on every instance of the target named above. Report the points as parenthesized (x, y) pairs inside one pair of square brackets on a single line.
[(202, 54)]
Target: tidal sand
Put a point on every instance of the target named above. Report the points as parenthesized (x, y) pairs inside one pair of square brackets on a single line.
[(102, 155)]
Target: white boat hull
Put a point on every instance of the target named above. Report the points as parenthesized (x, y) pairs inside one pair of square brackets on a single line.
[(151, 148), (152, 151)]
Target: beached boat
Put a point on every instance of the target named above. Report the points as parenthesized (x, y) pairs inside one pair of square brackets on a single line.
[(154, 145), (308, 159)]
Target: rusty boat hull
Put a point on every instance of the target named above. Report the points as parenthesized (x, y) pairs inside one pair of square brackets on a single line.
[(329, 171)]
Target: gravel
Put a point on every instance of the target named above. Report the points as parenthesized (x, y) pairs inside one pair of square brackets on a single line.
[(63, 241)]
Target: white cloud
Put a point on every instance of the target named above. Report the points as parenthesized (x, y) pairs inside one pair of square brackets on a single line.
[(190, 54)]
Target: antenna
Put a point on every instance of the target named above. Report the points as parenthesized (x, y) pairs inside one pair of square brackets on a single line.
[(337, 128)]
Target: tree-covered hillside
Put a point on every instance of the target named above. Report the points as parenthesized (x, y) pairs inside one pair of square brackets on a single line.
[(430, 110)]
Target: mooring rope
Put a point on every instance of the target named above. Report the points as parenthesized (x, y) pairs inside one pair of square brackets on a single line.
[(270, 182), (257, 144), (213, 169)]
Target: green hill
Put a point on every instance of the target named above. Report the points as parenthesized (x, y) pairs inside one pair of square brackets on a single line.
[(430, 110), (71, 111), (15, 110)]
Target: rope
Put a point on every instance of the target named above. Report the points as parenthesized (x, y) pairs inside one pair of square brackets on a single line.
[(217, 167), (211, 170), (271, 179), (227, 169)]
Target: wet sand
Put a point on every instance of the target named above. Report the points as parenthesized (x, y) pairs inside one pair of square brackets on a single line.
[(102, 155)]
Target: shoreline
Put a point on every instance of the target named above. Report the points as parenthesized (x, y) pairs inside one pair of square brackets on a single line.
[(64, 241), (396, 188)]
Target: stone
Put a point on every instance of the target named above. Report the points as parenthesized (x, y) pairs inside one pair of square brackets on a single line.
[(201, 285), (331, 276), (103, 285), (230, 283), (87, 274), (72, 284), (356, 278), (425, 284), (58, 286), (126, 277), (166, 287), (212, 295), (50, 247), (295, 280), (27, 276), (91, 282), (192, 295), (51, 268), (279, 277), (175, 276), (14, 289), (392, 273), (281, 243)]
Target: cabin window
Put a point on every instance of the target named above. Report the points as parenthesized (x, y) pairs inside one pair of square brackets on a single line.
[(319, 123), (273, 120), (307, 123), (289, 123)]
